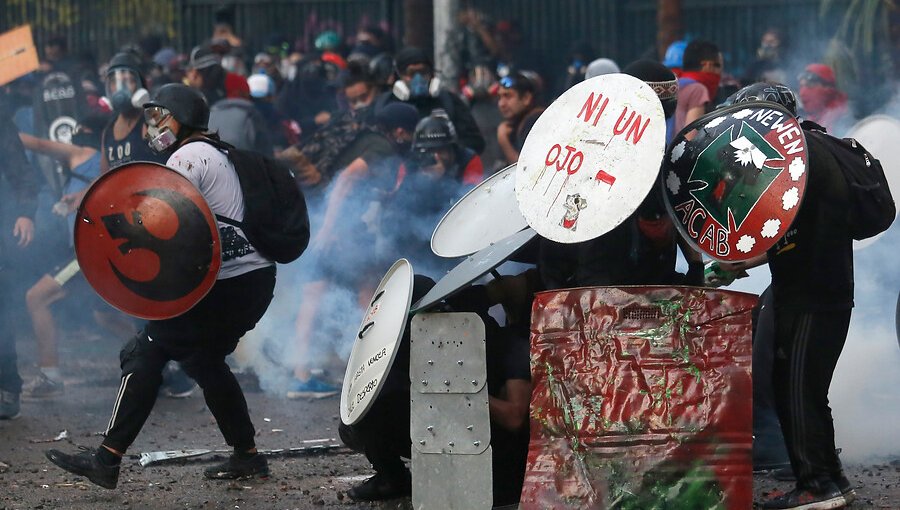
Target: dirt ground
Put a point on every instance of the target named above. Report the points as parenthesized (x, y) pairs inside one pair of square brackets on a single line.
[(28, 480)]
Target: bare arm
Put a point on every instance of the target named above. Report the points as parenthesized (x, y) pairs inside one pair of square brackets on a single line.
[(511, 412), (343, 185), (71, 155)]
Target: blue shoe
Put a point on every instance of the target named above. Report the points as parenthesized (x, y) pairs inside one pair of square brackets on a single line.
[(312, 388), (9, 405)]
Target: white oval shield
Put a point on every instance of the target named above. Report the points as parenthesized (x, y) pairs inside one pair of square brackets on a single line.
[(375, 345), (591, 158)]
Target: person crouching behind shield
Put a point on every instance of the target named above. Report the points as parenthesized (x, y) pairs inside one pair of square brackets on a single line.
[(202, 337)]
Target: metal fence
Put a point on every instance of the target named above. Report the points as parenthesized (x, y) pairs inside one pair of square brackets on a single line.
[(621, 29)]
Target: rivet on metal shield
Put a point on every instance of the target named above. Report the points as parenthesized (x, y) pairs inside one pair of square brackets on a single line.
[(591, 158), (735, 188), (376, 342), (487, 214), (147, 241)]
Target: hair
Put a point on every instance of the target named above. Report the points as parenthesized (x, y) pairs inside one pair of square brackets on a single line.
[(213, 83), (357, 72), (698, 51), (522, 84)]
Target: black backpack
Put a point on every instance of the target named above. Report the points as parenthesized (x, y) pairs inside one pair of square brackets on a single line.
[(872, 208), (276, 221)]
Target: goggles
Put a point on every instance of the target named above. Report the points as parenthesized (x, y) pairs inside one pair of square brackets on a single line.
[(813, 79), (154, 115)]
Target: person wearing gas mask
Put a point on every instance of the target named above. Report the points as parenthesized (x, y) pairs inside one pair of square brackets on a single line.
[(201, 338), (418, 86), (123, 140)]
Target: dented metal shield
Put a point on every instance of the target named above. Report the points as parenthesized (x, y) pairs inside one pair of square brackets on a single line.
[(450, 424), (642, 399)]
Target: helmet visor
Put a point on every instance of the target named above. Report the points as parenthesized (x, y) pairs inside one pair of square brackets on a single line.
[(121, 79)]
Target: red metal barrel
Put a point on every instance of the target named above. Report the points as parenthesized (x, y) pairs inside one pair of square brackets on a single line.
[(642, 399)]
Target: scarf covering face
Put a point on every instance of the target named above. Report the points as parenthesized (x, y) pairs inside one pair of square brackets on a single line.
[(709, 80)]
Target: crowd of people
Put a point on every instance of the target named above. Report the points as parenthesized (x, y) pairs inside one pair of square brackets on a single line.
[(381, 147)]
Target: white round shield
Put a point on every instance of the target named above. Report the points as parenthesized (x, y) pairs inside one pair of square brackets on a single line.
[(591, 158), (488, 213), (473, 268), (375, 345), (878, 133)]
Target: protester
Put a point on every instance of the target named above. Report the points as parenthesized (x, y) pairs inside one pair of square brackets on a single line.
[(822, 101), (811, 311), (23, 183), (418, 86), (517, 100), (770, 62), (200, 338), (698, 82)]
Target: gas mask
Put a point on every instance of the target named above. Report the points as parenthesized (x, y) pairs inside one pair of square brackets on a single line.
[(124, 91), (418, 86), (160, 140)]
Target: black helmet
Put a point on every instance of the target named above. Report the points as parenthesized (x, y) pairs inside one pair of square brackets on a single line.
[(127, 60), (186, 104), (765, 91), (433, 132), (382, 68)]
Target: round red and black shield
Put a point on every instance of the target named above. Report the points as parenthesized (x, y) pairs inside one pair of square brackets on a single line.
[(147, 241), (735, 188)]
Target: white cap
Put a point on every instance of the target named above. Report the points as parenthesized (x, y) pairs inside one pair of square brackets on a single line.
[(599, 67)]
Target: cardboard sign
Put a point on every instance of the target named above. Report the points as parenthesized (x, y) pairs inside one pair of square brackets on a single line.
[(375, 346), (18, 55), (878, 134), (591, 158), (486, 214), (735, 188)]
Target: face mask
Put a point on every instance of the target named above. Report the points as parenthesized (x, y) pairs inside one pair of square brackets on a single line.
[(403, 146), (767, 51), (418, 86)]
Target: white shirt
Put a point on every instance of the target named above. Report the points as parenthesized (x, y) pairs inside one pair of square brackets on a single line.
[(213, 174)]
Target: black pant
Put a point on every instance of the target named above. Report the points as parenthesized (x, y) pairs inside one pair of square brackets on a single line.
[(807, 347), (382, 434), (9, 371), (200, 340)]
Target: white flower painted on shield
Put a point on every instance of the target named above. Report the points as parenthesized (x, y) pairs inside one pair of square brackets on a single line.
[(745, 243), (745, 152), (790, 198), (678, 151), (743, 114), (770, 228), (715, 122), (673, 183), (796, 168)]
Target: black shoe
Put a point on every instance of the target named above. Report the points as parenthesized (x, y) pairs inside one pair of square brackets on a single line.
[(785, 474), (846, 488), (86, 464), (381, 487), (825, 498), (239, 467)]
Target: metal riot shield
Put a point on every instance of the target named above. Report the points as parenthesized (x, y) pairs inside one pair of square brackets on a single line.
[(591, 158), (486, 215), (375, 345), (450, 424), (642, 399), (735, 188), (147, 241)]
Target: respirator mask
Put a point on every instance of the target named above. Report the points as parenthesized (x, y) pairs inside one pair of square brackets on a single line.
[(124, 91), (159, 139)]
